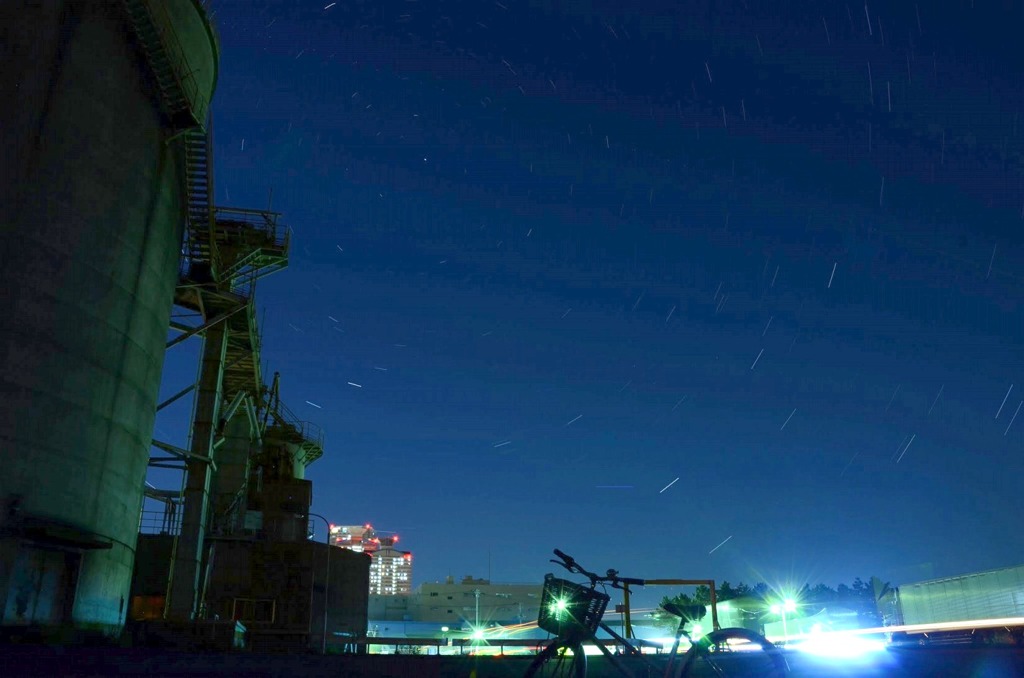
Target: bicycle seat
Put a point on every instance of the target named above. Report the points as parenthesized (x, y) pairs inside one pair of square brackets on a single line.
[(688, 612)]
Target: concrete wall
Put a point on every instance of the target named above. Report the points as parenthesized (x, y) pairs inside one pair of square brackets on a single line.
[(292, 575), (347, 594), (91, 218)]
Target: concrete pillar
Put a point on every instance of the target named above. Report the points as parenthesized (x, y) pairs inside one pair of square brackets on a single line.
[(188, 555)]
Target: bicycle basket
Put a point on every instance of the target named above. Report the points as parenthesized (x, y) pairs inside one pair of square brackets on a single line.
[(568, 608)]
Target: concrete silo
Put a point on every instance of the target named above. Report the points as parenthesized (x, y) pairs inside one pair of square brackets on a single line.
[(92, 207)]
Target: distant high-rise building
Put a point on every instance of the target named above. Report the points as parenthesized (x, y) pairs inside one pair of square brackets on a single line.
[(359, 538), (390, 569)]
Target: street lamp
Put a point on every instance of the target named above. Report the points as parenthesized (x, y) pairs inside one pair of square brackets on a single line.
[(327, 579), (788, 605), (477, 593)]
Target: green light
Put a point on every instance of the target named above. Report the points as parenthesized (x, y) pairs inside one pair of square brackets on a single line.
[(558, 606), (478, 634), (697, 631)]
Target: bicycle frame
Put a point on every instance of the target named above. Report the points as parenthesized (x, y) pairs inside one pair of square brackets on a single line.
[(636, 649)]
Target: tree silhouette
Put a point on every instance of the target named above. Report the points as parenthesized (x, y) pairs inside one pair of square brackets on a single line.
[(868, 599)]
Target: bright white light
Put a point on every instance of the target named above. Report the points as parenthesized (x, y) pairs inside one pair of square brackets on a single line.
[(840, 645)]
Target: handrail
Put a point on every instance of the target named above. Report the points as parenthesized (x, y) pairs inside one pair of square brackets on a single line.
[(262, 221), (181, 70)]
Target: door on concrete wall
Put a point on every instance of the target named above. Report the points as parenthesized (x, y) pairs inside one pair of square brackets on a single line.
[(41, 588)]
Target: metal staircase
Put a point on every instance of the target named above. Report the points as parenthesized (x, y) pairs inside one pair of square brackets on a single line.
[(184, 103), (242, 371), (200, 256)]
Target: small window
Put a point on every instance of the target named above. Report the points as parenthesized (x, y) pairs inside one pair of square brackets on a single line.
[(433, 594), (254, 611), (449, 611)]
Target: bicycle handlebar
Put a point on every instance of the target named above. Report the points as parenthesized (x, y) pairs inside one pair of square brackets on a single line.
[(612, 577)]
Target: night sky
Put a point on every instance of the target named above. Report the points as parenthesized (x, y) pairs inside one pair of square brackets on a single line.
[(550, 257)]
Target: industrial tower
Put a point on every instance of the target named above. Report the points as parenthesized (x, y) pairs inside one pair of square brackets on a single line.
[(102, 99), (107, 222)]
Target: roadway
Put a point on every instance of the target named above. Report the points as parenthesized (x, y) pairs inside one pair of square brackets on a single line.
[(37, 660)]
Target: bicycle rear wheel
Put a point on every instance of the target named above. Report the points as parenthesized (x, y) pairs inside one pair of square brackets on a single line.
[(734, 653), (560, 659)]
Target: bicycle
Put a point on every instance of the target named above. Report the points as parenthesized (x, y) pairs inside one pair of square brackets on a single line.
[(572, 612)]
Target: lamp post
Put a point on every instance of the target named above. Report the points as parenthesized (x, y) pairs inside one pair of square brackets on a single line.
[(327, 578), (788, 605)]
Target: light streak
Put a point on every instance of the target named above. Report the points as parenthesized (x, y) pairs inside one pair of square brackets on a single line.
[(756, 359), (1013, 417), (720, 545), (906, 448), (1004, 401)]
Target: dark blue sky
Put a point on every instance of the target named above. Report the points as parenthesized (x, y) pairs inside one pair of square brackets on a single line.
[(694, 241)]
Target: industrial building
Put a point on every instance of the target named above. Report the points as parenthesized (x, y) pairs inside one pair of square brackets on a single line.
[(107, 223), (471, 602)]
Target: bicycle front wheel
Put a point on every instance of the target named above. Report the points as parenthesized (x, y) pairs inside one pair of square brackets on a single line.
[(732, 653), (560, 659)]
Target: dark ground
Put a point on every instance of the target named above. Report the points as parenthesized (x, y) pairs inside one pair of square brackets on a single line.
[(37, 660)]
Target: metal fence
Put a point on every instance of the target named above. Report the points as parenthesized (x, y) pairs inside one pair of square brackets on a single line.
[(164, 521)]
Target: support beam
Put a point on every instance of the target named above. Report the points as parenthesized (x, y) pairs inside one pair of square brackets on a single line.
[(180, 394), (183, 454), (233, 407), (207, 325), (188, 389), (166, 496), (158, 460)]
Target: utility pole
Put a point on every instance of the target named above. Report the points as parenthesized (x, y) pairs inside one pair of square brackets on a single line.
[(477, 593)]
